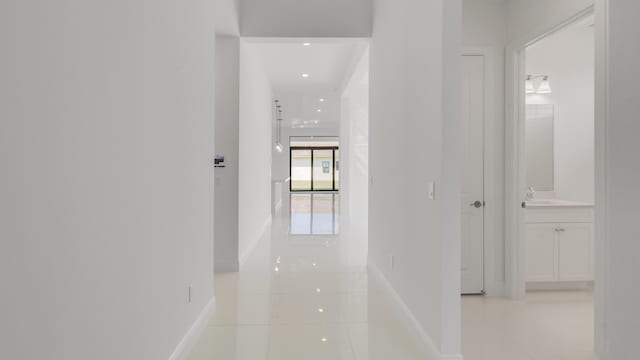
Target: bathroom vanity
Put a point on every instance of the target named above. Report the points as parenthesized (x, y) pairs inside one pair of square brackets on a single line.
[(559, 243)]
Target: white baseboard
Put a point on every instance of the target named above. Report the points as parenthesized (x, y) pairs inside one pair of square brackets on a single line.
[(254, 242), (419, 334), (559, 285), (191, 337)]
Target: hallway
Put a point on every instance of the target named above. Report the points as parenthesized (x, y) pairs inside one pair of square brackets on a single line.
[(304, 297)]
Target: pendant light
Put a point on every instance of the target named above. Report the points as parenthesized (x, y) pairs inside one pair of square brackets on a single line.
[(278, 118)]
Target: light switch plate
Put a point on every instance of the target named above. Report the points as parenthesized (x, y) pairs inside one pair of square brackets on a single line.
[(431, 188)]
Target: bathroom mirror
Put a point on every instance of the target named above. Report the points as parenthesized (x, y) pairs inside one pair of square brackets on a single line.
[(539, 149)]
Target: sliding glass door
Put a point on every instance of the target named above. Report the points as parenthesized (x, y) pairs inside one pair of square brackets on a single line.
[(300, 170), (314, 169)]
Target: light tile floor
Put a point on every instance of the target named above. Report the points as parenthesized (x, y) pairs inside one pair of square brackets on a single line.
[(309, 297), (546, 325), (304, 297)]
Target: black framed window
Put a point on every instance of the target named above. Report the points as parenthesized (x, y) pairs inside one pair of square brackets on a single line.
[(314, 168)]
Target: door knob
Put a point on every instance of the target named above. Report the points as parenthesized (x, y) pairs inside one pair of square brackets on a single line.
[(476, 204)]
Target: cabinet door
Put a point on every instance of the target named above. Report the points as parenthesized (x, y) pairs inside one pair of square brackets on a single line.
[(541, 250), (575, 252)]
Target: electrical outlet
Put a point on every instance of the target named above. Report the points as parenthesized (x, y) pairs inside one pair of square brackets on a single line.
[(189, 294), (392, 262)]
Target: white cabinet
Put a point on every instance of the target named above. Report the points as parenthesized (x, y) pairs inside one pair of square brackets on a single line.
[(559, 251), (575, 252), (542, 253)]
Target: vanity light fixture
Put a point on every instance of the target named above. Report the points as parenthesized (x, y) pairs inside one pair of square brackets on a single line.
[(543, 87), (529, 85)]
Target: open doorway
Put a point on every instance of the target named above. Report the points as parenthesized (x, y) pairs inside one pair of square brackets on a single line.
[(319, 90), (550, 247)]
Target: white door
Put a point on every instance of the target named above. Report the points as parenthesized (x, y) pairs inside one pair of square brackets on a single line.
[(473, 175)]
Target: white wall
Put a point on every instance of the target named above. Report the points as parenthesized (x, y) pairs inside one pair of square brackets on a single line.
[(527, 18), (354, 150), (256, 121), (415, 52), (106, 141), (484, 27), (227, 138), (622, 176), (305, 18), (568, 58)]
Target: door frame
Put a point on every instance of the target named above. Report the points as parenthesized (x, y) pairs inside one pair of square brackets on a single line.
[(515, 172), (493, 285)]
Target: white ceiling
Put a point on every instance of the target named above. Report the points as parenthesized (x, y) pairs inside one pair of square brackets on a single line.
[(327, 61)]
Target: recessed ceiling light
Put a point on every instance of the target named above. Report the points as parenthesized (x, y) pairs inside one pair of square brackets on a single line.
[(319, 110), (315, 121), (323, 339), (320, 310), (305, 75), (321, 100), (306, 44)]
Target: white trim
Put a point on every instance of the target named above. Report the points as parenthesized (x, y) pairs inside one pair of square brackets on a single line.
[(514, 153), (493, 286), (601, 228), (191, 337), (254, 242), (412, 324)]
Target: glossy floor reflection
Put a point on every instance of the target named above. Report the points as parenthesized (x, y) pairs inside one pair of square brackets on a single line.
[(314, 214), (304, 298)]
